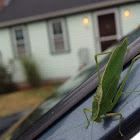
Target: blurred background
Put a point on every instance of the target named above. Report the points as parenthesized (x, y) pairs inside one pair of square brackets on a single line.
[(44, 43)]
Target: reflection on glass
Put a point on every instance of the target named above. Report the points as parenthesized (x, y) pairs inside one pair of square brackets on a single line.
[(68, 87)]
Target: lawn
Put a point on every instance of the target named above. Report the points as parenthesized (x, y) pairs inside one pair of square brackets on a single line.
[(19, 101)]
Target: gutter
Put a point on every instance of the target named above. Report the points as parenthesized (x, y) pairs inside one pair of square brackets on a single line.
[(69, 11)]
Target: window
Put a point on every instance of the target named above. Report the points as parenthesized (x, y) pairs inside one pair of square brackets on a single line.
[(19, 37), (57, 30)]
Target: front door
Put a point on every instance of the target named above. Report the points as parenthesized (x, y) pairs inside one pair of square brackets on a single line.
[(107, 28)]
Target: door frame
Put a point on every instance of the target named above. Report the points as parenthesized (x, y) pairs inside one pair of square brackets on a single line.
[(117, 22)]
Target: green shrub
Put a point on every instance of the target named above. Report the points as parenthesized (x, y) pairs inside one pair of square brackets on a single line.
[(6, 84), (31, 72)]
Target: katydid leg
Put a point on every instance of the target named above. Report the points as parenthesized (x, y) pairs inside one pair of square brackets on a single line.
[(98, 64), (84, 110), (129, 92), (119, 93), (115, 114)]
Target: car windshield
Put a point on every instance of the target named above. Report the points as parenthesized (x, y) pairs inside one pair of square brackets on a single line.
[(67, 88)]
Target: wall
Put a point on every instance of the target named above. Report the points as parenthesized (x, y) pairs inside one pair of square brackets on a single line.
[(63, 65), (129, 23), (82, 36)]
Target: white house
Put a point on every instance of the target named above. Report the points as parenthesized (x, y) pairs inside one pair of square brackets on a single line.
[(61, 35)]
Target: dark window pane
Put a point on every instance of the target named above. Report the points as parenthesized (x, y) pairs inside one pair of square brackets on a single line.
[(107, 44), (21, 49), (107, 25), (19, 34), (57, 29)]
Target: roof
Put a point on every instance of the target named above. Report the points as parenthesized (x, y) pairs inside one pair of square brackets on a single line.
[(22, 11)]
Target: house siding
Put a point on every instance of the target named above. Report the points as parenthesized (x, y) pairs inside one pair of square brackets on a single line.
[(130, 23), (6, 46), (81, 36), (51, 66), (62, 65), (7, 52)]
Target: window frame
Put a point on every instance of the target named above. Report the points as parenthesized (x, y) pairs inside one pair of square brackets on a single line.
[(64, 35), (25, 40)]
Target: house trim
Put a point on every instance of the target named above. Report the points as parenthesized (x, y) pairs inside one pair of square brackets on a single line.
[(25, 41), (64, 35), (69, 11)]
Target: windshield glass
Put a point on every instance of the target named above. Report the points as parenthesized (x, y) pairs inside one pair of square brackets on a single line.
[(67, 88)]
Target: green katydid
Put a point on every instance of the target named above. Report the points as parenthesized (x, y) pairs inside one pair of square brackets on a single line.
[(107, 95)]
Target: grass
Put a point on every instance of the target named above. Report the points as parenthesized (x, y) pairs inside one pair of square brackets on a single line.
[(19, 101)]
